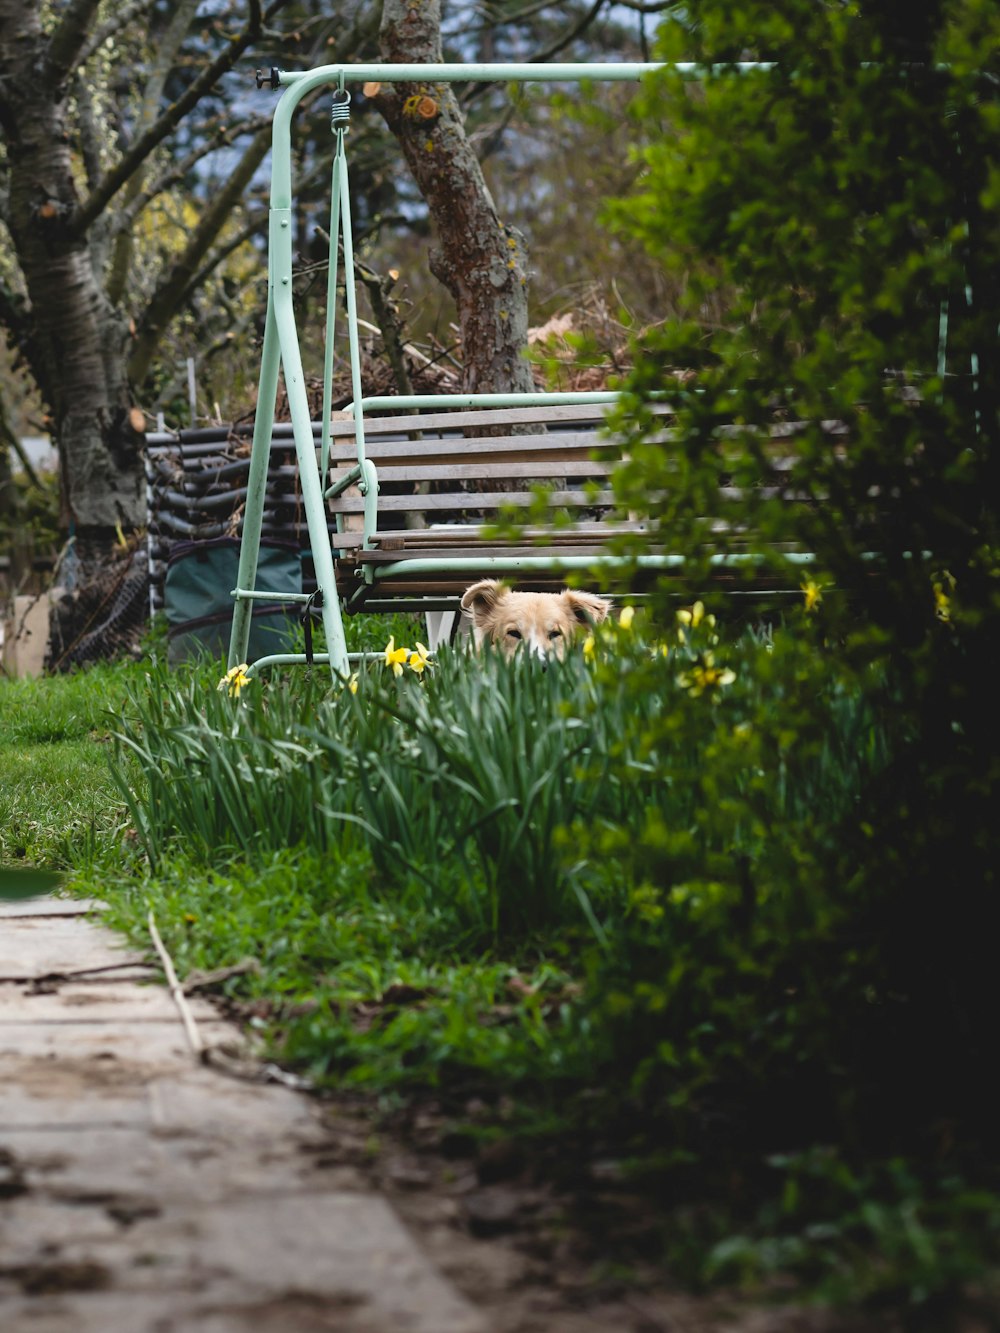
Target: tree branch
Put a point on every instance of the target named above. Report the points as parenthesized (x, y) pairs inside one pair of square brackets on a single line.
[(256, 226), (68, 40), (581, 25), (638, 7), (164, 59), (10, 438), (488, 140), (389, 321), (222, 137), (114, 25), (98, 200), (236, 330), (176, 280), (511, 20), (90, 152)]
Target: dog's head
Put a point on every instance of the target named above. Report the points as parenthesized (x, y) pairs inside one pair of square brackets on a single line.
[(542, 623)]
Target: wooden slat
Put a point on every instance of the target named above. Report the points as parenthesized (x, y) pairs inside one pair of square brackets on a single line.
[(464, 418), (346, 540), (592, 418), (535, 470), (454, 585), (460, 446), (599, 530), (422, 539), (589, 444), (482, 549), (474, 500)]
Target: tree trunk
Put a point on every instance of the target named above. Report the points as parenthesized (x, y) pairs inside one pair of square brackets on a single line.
[(77, 342), (481, 260)]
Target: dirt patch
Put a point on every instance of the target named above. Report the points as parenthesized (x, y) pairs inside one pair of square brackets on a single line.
[(533, 1255), (301, 1311), (62, 1078), (50, 1279), (12, 1181)]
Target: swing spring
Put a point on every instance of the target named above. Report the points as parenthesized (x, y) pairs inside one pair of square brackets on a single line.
[(340, 110)]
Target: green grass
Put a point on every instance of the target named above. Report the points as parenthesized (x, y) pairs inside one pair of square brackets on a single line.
[(58, 801), (354, 987)]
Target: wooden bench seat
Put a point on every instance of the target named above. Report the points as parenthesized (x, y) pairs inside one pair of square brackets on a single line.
[(448, 479)]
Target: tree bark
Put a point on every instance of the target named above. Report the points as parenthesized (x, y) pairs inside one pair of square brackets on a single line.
[(77, 341), (481, 260)]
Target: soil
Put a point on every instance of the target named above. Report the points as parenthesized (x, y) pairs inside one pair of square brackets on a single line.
[(540, 1258)]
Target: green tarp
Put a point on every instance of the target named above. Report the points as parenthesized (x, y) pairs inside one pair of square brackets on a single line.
[(198, 600)]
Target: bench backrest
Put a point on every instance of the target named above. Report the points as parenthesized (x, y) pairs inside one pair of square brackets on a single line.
[(466, 466)]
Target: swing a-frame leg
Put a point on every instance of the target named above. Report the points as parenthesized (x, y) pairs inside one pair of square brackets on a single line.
[(281, 349), (281, 352)]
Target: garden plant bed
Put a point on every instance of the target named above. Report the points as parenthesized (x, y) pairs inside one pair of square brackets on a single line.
[(453, 1028)]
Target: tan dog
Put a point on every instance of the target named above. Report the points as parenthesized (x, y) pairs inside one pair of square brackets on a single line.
[(542, 623)]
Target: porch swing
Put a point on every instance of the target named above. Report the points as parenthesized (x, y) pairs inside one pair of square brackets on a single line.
[(347, 465)]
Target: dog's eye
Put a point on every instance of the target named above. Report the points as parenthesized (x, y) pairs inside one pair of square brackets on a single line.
[(555, 633), (514, 634)]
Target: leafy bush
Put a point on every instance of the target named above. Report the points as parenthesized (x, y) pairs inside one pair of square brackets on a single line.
[(809, 961)]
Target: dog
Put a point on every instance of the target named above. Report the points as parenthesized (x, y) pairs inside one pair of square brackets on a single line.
[(538, 623)]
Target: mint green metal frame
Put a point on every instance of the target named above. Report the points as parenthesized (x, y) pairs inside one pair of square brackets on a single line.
[(281, 351)]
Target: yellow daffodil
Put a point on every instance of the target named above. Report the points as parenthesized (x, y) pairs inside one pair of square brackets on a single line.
[(813, 594), (420, 659), (626, 617), (395, 657), (659, 650), (705, 677), (234, 680), (692, 616), (942, 598), (352, 684), (589, 648)]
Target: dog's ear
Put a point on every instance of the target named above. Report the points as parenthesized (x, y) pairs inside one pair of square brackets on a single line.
[(479, 600), (587, 607)]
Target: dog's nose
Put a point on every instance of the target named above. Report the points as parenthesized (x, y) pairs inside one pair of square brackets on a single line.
[(538, 654)]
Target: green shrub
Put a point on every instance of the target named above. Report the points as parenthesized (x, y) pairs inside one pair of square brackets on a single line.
[(808, 961)]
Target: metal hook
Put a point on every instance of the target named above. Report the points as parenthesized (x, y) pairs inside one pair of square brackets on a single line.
[(340, 110)]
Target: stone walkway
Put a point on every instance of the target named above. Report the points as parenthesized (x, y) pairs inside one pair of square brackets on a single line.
[(143, 1192)]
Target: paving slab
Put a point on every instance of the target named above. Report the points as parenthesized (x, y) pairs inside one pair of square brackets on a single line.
[(47, 907), (97, 1001), (142, 1191), (37, 946), (113, 1040)]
